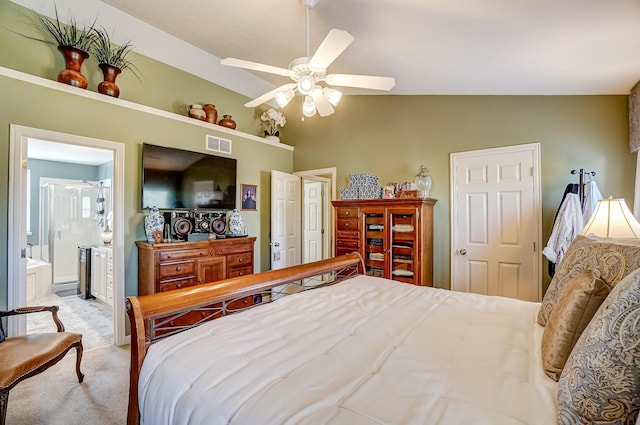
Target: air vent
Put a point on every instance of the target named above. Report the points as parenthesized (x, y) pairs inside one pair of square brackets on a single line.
[(217, 144)]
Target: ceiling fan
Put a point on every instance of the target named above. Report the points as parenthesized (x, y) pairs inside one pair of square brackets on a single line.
[(308, 71)]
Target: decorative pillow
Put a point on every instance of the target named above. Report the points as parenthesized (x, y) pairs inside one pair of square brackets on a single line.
[(576, 305), (609, 259), (600, 382)]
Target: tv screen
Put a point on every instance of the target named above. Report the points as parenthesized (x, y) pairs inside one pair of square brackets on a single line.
[(180, 179)]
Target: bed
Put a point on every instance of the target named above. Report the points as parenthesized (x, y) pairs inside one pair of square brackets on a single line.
[(355, 349)]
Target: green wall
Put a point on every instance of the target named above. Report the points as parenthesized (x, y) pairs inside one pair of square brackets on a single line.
[(391, 136), (163, 87)]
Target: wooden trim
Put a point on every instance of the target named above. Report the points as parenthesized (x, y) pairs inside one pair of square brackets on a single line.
[(143, 309)]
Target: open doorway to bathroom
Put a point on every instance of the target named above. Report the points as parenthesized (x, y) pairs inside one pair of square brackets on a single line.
[(67, 249), (70, 210)]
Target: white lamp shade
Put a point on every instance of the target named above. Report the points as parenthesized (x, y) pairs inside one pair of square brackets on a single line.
[(308, 107), (332, 95), (284, 97), (612, 219)]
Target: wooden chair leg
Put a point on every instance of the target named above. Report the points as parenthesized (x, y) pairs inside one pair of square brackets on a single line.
[(4, 399), (79, 350)]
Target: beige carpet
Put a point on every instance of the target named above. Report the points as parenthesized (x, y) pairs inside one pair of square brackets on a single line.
[(55, 397)]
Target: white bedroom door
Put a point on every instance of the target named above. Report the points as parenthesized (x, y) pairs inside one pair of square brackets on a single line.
[(313, 227), (285, 220), (496, 220)]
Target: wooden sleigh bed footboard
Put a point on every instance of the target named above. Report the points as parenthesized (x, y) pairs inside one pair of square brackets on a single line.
[(158, 316)]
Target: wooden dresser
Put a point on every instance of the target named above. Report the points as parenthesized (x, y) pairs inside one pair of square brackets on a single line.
[(394, 236), (166, 266)]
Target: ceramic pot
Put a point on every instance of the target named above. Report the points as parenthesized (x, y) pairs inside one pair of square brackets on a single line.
[(228, 122), (154, 225), (107, 235), (235, 222), (108, 86), (73, 61), (196, 111), (274, 139), (211, 113)]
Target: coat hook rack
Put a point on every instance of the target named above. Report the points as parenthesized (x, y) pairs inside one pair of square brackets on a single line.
[(582, 172)]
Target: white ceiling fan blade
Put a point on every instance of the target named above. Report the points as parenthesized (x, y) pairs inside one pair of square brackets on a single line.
[(361, 81), (267, 96), (323, 106), (333, 44), (239, 63)]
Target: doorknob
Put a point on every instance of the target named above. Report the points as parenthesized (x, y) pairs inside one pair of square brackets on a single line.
[(463, 251), (275, 244)]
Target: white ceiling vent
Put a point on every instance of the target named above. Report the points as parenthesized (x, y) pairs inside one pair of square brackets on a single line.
[(217, 144)]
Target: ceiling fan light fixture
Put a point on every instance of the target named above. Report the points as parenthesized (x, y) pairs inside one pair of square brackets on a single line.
[(284, 97), (308, 107), (332, 95), (306, 84)]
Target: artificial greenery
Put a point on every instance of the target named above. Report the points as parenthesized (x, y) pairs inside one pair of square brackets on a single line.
[(111, 54), (69, 35)]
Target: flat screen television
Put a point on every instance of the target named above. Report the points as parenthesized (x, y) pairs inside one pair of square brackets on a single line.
[(180, 179)]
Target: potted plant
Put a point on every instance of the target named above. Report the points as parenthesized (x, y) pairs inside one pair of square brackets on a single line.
[(74, 43), (273, 119), (112, 60)]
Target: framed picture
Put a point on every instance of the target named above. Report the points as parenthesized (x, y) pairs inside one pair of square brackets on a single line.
[(249, 196)]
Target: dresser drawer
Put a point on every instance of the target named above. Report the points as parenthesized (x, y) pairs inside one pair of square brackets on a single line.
[(341, 234), (183, 254), (239, 260), (347, 212), (239, 271), (348, 224), (348, 243), (169, 285), (182, 268), (234, 249)]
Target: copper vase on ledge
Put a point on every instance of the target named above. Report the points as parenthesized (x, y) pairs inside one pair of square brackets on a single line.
[(108, 86), (73, 61)]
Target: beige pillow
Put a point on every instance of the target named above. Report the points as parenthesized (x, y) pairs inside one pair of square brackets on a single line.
[(576, 304), (609, 259)]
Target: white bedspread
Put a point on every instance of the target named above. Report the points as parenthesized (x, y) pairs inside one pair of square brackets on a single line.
[(366, 351)]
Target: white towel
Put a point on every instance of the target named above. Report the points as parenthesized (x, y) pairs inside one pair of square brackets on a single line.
[(568, 225), (591, 197)]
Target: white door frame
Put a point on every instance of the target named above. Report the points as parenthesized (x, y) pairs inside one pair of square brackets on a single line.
[(534, 148), (17, 228), (329, 175)]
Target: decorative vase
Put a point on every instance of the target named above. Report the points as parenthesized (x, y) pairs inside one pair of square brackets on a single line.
[(107, 235), (423, 182), (235, 223), (274, 139), (196, 111), (211, 113), (73, 61), (228, 122), (108, 86), (153, 225)]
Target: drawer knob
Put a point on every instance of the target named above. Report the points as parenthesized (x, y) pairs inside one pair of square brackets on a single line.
[(169, 256), (346, 213), (245, 301), (346, 225), (179, 285), (178, 268), (241, 274), (240, 260)]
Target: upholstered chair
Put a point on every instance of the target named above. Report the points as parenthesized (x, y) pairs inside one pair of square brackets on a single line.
[(24, 356)]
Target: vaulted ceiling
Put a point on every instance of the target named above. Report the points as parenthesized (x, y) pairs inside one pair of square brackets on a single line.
[(491, 47)]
